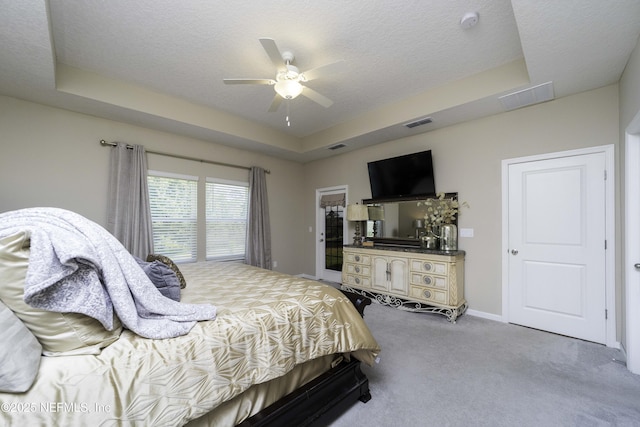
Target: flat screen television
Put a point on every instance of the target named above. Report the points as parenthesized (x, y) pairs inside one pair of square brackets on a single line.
[(405, 176)]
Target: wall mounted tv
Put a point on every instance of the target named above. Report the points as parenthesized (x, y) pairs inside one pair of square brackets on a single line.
[(405, 176)]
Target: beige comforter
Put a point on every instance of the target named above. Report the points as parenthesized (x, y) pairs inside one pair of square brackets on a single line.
[(267, 323)]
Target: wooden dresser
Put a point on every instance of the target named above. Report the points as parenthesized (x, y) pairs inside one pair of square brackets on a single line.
[(411, 279)]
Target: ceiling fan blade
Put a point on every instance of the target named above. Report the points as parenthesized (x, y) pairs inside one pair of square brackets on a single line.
[(324, 70), (272, 50), (275, 104), (316, 97), (249, 81)]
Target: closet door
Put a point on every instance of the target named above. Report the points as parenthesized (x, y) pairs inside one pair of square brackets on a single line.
[(556, 260)]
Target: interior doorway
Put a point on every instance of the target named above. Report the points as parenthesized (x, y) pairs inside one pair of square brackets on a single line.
[(331, 230), (558, 242)]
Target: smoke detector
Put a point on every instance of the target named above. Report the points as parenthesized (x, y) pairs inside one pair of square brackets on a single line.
[(469, 20)]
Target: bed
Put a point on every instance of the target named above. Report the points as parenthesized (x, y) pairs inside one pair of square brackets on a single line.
[(282, 350)]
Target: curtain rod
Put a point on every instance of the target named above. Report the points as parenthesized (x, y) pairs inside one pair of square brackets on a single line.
[(177, 156)]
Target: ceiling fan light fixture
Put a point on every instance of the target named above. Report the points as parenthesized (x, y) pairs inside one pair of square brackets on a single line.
[(288, 89), (288, 82)]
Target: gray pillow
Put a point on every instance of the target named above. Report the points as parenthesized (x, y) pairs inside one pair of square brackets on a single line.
[(172, 265), (19, 353), (163, 277)]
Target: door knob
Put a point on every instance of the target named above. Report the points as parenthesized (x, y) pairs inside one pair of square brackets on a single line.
[(637, 265), (514, 252), (322, 240)]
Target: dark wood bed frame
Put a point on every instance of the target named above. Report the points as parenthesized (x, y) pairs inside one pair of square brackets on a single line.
[(322, 400)]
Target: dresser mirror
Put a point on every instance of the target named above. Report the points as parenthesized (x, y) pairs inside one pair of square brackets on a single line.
[(397, 222)]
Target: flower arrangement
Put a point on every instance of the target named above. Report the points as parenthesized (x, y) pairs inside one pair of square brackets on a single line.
[(441, 210)]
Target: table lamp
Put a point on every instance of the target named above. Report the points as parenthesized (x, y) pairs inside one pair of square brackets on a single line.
[(357, 213)]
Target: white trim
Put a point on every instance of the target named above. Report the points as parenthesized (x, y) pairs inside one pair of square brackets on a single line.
[(484, 315), (227, 181), (320, 220), (172, 175), (610, 235), (505, 240), (632, 245)]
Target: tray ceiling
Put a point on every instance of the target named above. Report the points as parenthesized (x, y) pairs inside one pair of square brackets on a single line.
[(160, 63)]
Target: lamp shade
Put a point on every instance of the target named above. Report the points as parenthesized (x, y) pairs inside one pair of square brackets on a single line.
[(357, 213), (376, 213)]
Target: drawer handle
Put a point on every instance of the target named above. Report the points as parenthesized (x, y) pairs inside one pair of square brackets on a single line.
[(427, 280), (358, 280), (427, 294), (428, 266), (358, 258), (357, 269)]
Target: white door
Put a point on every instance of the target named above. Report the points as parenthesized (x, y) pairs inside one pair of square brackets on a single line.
[(556, 244), (331, 229)]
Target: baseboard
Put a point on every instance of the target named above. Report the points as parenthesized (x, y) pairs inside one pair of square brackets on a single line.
[(484, 315), (307, 276)]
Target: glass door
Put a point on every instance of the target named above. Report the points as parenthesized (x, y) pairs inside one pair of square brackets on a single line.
[(330, 221), (334, 237)]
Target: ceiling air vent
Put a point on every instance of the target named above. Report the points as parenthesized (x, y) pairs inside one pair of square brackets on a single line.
[(419, 122), (526, 97), (337, 146)]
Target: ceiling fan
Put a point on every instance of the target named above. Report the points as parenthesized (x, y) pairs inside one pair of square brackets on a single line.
[(288, 82)]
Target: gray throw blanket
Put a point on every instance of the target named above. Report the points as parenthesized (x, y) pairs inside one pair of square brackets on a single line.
[(77, 266)]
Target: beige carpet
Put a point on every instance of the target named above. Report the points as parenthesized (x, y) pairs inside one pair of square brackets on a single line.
[(478, 372)]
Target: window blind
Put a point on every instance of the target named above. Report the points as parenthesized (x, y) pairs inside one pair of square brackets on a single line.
[(173, 200), (226, 212)]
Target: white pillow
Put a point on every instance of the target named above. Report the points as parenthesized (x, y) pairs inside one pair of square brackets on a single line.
[(19, 353)]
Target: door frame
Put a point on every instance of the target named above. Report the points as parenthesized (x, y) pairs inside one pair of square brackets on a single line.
[(319, 246), (632, 245), (610, 282)]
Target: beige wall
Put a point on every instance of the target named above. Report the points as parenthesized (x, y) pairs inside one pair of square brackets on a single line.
[(467, 159), (630, 90), (51, 157)]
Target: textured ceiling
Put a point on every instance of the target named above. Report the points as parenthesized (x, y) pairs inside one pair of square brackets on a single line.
[(161, 63)]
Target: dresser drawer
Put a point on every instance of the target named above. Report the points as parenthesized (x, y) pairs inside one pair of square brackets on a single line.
[(427, 266), (429, 294), (429, 280), (363, 269), (356, 281), (357, 258)]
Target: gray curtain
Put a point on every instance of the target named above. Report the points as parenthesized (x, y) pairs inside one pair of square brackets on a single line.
[(129, 213), (258, 248)]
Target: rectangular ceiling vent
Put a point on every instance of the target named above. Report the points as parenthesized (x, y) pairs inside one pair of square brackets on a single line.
[(419, 122), (526, 97), (337, 146)]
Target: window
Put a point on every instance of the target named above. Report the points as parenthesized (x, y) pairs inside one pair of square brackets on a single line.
[(333, 229), (173, 200), (227, 209)]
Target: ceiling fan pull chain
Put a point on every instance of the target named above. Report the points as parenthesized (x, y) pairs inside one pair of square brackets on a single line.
[(287, 118)]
